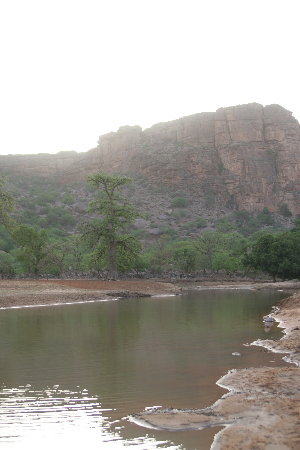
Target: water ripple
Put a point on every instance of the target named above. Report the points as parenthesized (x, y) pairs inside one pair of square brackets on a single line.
[(52, 417)]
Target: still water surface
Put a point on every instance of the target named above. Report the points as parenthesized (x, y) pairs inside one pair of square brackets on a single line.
[(69, 374)]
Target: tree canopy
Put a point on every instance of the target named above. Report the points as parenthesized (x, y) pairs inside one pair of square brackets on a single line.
[(32, 245), (114, 248), (278, 255), (6, 205)]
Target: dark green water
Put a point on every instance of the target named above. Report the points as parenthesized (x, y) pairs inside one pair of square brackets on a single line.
[(69, 374)]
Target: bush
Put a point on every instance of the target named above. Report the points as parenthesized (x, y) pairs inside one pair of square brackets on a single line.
[(179, 202), (168, 231), (284, 210), (179, 213), (67, 199), (6, 264), (60, 216), (46, 197), (246, 222), (200, 222), (225, 225), (265, 217)]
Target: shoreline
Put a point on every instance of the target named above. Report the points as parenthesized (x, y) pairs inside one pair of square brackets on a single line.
[(262, 406), (33, 293), (17, 293), (261, 409), (287, 315)]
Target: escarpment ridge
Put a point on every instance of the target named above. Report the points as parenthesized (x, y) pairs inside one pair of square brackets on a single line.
[(241, 157)]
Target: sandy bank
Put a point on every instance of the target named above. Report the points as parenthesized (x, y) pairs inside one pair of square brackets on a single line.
[(262, 408), (246, 285), (16, 293)]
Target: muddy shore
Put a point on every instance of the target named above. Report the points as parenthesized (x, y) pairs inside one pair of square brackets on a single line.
[(261, 409), (18, 293)]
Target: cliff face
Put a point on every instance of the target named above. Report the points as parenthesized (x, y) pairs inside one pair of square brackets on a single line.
[(244, 157), (260, 152)]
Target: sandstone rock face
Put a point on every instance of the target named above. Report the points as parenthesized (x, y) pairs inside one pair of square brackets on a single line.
[(242, 157)]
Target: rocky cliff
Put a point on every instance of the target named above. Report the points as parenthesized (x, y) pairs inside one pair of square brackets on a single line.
[(241, 157)]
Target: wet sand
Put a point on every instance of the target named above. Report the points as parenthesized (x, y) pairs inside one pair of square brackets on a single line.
[(18, 293), (261, 409)]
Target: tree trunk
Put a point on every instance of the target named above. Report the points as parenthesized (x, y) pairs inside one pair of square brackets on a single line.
[(112, 261)]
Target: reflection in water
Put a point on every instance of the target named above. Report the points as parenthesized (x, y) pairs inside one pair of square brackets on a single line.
[(128, 355), (59, 418), (268, 323)]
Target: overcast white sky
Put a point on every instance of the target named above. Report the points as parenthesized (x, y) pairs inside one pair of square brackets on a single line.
[(72, 70)]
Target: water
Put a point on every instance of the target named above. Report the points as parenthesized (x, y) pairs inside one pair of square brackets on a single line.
[(69, 374)]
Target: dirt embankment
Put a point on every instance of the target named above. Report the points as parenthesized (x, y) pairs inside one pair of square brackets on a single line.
[(231, 284), (262, 408), (14, 293)]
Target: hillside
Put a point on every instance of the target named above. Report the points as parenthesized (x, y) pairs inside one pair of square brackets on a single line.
[(208, 165)]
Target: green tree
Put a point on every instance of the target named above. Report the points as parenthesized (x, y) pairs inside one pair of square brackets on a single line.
[(55, 260), (296, 224), (6, 241), (261, 255), (265, 217), (225, 225), (158, 257), (229, 256), (76, 254), (288, 249), (207, 245), (223, 260), (278, 255), (6, 205), (246, 223), (32, 247), (6, 264), (221, 251), (114, 247), (185, 256)]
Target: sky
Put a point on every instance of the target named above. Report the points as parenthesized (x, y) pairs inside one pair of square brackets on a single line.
[(72, 70)]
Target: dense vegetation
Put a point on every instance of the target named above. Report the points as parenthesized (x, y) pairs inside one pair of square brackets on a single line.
[(57, 232)]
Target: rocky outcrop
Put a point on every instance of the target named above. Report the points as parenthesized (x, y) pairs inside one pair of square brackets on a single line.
[(241, 157), (245, 157), (260, 153)]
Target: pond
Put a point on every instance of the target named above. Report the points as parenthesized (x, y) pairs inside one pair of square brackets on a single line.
[(71, 373)]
